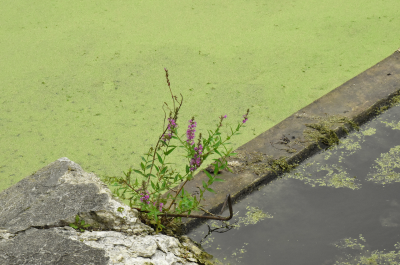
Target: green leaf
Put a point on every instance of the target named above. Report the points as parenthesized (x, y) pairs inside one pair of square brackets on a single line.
[(230, 170), (143, 159), (153, 213), (152, 185), (223, 166), (182, 192), (142, 166), (137, 171), (157, 168), (216, 151), (83, 224), (209, 133), (167, 153), (154, 176), (187, 169), (217, 144), (204, 185), (208, 174), (216, 169), (210, 190), (159, 158), (163, 171), (208, 148)]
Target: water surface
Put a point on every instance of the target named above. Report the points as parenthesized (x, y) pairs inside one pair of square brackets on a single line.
[(341, 206)]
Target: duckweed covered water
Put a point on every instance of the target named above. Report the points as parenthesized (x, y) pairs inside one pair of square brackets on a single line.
[(341, 206)]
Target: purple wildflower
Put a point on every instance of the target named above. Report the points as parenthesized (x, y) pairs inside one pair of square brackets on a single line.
[(145, 198), (196, 160), (245, 116), (159, 206), (190, 131), (220, 124)]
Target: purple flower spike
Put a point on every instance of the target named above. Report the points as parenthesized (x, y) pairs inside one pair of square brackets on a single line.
[(190, 131), (196, 159), (145, 198), (245, 117)]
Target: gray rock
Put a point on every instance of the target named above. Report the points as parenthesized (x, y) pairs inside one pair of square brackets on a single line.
[(36, 212)]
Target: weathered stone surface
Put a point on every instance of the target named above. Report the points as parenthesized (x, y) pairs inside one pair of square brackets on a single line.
[(36, 212)]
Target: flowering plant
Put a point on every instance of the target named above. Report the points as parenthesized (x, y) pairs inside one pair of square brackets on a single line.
[(148, 194)]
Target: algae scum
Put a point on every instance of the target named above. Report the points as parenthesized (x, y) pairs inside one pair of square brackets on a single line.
[(341, 206)]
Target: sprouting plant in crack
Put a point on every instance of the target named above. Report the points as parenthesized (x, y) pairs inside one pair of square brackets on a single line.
[(79, 225)]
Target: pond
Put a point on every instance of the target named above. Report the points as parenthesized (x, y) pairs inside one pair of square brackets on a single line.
[(341, 206)]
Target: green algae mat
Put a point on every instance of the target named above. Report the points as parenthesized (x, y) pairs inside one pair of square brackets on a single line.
[(86, 80)]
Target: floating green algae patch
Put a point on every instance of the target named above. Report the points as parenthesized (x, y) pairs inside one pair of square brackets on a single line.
[(388, 162), (253, 216), (335, 175), (386, 165), (366, 257)]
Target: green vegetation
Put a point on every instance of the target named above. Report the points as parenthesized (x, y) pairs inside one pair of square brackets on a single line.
[(79, 225), (366, 257)]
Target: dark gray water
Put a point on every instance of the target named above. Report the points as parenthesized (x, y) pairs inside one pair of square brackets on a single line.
[(341, 206)]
